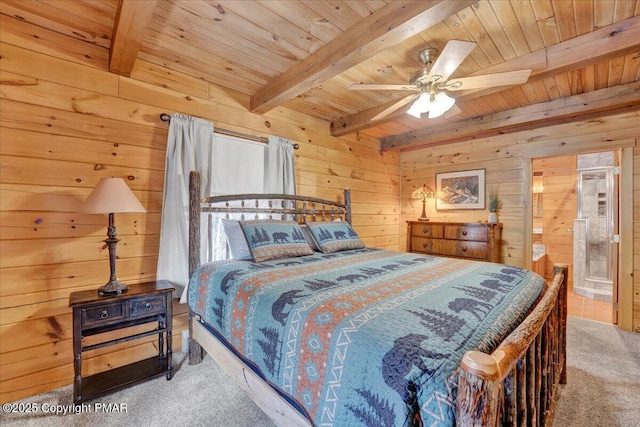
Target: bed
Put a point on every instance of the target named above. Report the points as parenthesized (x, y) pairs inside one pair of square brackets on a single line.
[(342, 334)]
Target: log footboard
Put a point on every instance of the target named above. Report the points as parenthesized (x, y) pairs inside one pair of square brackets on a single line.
[(518, 383), (196, 352)]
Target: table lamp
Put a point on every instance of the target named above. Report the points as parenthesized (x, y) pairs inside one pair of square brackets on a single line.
[(423, 193), (111, 196)]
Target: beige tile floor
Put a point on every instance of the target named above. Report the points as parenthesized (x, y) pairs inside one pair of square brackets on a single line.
[(588, 308)]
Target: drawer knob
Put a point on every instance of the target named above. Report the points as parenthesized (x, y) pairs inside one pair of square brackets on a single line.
[(148, 306), (464, 233), (104, 314), (464, 249)]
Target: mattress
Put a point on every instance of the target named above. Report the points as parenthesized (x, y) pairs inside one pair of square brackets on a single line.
[(366, 336)]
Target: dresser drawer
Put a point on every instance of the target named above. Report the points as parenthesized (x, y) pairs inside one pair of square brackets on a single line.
[(423, 244), (466, 249), (432, 246), (462, 232), (147, 306), (103, 313), (463, 249), (426, 230)]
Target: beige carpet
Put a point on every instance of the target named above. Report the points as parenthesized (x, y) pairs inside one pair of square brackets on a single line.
[(603, 377), (603, 390)]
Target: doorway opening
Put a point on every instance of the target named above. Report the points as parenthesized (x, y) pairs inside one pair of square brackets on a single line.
[(574, 221)]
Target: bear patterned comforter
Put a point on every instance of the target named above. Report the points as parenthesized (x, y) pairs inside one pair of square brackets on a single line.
[(363, 337)]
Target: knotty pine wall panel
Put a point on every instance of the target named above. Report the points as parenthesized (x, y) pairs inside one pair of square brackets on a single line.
[(559, 209), (507, 161), (636, 240), (65, 122)]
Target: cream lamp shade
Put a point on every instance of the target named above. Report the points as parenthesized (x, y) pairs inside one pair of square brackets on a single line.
[(111, 196)]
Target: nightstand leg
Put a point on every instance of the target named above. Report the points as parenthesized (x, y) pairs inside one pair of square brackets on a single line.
[(169, 326), (161, 325), (77, 356)]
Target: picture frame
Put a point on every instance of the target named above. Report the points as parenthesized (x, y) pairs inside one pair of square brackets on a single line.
[(460, 190)]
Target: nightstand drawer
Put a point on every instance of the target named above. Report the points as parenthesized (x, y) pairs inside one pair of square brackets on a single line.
[(147, 306), (466, 233), (104, 313)]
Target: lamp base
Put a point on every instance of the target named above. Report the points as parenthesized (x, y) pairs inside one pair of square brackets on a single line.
[(112, 288), (423, 219)]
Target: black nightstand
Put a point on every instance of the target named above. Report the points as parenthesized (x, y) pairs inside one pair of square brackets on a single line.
[(92, 315)]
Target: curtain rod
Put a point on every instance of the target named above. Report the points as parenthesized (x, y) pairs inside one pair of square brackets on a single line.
[(167, 118)]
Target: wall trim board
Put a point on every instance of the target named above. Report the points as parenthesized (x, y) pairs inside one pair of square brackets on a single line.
[(625, 247)]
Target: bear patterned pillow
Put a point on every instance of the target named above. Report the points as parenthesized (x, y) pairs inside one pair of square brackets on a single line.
[(334, 236), (273, 239)]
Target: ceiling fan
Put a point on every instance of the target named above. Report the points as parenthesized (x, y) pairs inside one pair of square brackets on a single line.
[(431, 82)]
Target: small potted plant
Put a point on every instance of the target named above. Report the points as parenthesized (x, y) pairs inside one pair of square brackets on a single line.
[(494, 204)]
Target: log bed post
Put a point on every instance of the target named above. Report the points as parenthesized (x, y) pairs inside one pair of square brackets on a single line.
[(518, 383), (347, 205), (196, 352)]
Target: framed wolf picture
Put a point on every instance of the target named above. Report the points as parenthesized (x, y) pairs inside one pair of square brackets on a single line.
[(460, 190)]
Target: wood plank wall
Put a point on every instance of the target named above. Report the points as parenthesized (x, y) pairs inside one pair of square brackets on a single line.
[(559, 209), (65, 122), (507, 161)]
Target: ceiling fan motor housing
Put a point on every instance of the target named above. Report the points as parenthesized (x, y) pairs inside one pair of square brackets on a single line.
[(428, 58)]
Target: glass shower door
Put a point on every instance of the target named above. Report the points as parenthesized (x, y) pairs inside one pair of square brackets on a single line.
[(595, 205)]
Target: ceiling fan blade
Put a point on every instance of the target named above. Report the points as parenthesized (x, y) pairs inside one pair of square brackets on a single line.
[(451, 57), (453, 111), (372, 86), (401, 103), (489, 80)]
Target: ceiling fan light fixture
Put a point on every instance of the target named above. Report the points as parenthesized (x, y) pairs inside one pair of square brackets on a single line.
[(435, 105), (420, 105), (440, 105)]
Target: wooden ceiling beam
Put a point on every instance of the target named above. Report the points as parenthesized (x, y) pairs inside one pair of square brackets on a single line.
[(132, 19), (601, 45), (385, 28), (578, 107)]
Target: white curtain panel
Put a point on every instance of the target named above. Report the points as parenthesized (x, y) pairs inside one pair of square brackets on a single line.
[(280, 170), (189, 147)]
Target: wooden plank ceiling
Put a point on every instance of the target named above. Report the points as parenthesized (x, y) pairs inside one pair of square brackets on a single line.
[(584, 55)]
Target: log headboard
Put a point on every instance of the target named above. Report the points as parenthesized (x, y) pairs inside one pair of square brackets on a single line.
[(280, 206)]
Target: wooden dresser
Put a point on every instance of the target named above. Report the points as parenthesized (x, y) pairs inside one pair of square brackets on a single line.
[(473, 240)]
